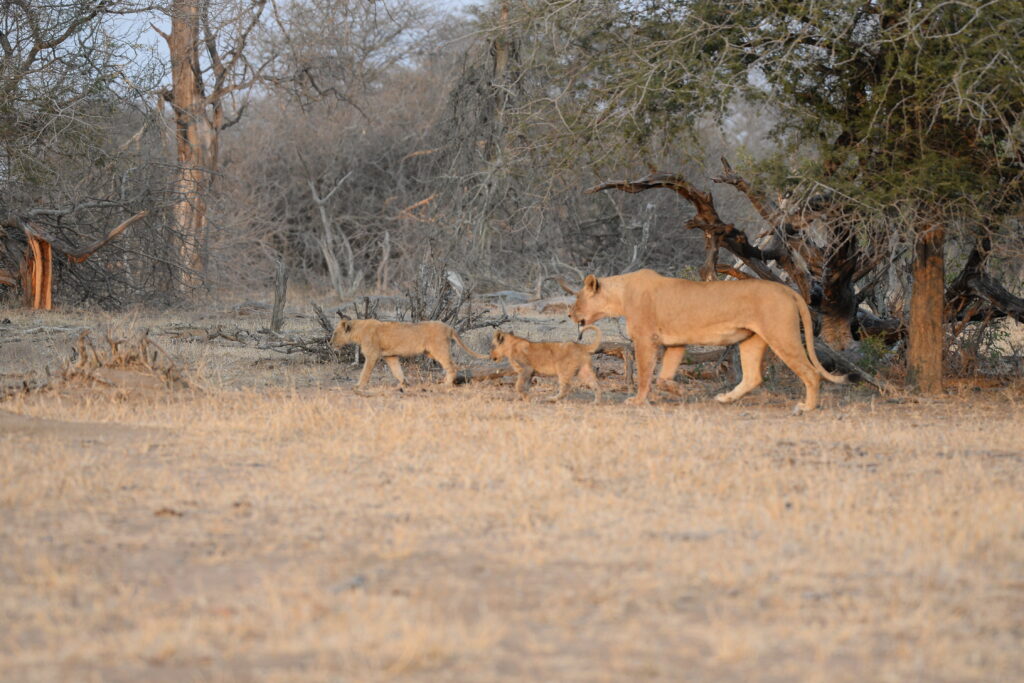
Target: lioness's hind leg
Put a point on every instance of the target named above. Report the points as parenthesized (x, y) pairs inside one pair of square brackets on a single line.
[(751, 357), (395, 364), (790, 351)]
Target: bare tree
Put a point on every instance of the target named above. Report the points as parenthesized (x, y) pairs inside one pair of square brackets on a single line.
[(209, 64)]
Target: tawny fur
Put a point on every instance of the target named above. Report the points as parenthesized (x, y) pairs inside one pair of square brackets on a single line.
[(565, 360), (390, 340), (671, 312)]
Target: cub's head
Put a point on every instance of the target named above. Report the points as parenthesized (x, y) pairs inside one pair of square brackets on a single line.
[(342, 333), (590, 305), (499, 345)]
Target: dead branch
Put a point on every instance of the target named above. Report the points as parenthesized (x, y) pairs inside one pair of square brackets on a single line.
[(717, 233), (767, 209), (80, 254), (625, 352), (723, 269), (973, 285), (280, 294), (836, 360), (138, 354), (324, 321)]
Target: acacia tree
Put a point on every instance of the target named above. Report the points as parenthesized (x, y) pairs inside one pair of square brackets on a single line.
[(903, 116)]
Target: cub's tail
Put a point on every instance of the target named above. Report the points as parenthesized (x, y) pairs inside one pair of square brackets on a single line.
[(597, 339), (458, 340)]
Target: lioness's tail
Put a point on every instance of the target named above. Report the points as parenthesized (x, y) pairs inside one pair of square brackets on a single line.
[(805, 318), (597, 340), (458, 340)]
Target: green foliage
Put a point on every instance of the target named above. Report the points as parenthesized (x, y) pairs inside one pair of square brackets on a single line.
[(888, 103), (874, 353)]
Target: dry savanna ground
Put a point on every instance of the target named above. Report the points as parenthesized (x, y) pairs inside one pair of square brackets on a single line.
[(268, 524)]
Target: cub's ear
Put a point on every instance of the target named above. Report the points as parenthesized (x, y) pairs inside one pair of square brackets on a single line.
[(590, 284), (499, 336), (347, 326)]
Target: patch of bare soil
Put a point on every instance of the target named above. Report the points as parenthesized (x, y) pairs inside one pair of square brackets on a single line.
[(31, 429)]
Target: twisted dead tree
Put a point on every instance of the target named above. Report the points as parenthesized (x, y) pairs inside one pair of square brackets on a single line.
[(35, 259)]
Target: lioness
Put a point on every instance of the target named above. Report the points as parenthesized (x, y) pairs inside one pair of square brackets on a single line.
[(388, 340), (566, 360), (670, 312)]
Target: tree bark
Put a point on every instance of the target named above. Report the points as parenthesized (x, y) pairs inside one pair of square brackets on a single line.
[(194, 135), (927, 301)]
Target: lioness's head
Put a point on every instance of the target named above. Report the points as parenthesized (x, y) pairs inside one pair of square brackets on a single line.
[(498, 343), (342, 333), (589, 306)]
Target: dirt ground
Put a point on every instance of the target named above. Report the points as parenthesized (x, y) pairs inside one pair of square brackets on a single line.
[(266, 523)]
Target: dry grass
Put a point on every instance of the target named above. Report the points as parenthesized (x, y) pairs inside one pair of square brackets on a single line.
[(270, 525)]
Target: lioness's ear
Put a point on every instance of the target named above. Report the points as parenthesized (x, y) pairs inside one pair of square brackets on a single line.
[(590, 283), (347, 326), (499, 336)]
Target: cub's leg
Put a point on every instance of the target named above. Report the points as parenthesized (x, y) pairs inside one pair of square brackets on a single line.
[(588, 377), (395, 364), (369, 363), (564, 385), (751, 357), (523, 381)]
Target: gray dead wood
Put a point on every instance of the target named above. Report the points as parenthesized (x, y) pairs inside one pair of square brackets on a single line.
[(280, 294), (836, 360), (623, 351)]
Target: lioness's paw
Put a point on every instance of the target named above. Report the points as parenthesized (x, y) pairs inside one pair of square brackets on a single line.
[(669, 386), (636, 401), (723, 398)]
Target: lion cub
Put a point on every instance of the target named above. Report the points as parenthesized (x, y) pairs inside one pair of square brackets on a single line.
[(389, 340), (566, 360)]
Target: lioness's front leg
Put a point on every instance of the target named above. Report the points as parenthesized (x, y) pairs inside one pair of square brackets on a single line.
[(368, 365), (669, 366), (646, 353)]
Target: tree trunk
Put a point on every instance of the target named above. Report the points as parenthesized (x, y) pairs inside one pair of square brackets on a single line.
[(194, 136), (926, 336), (838, 306)]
